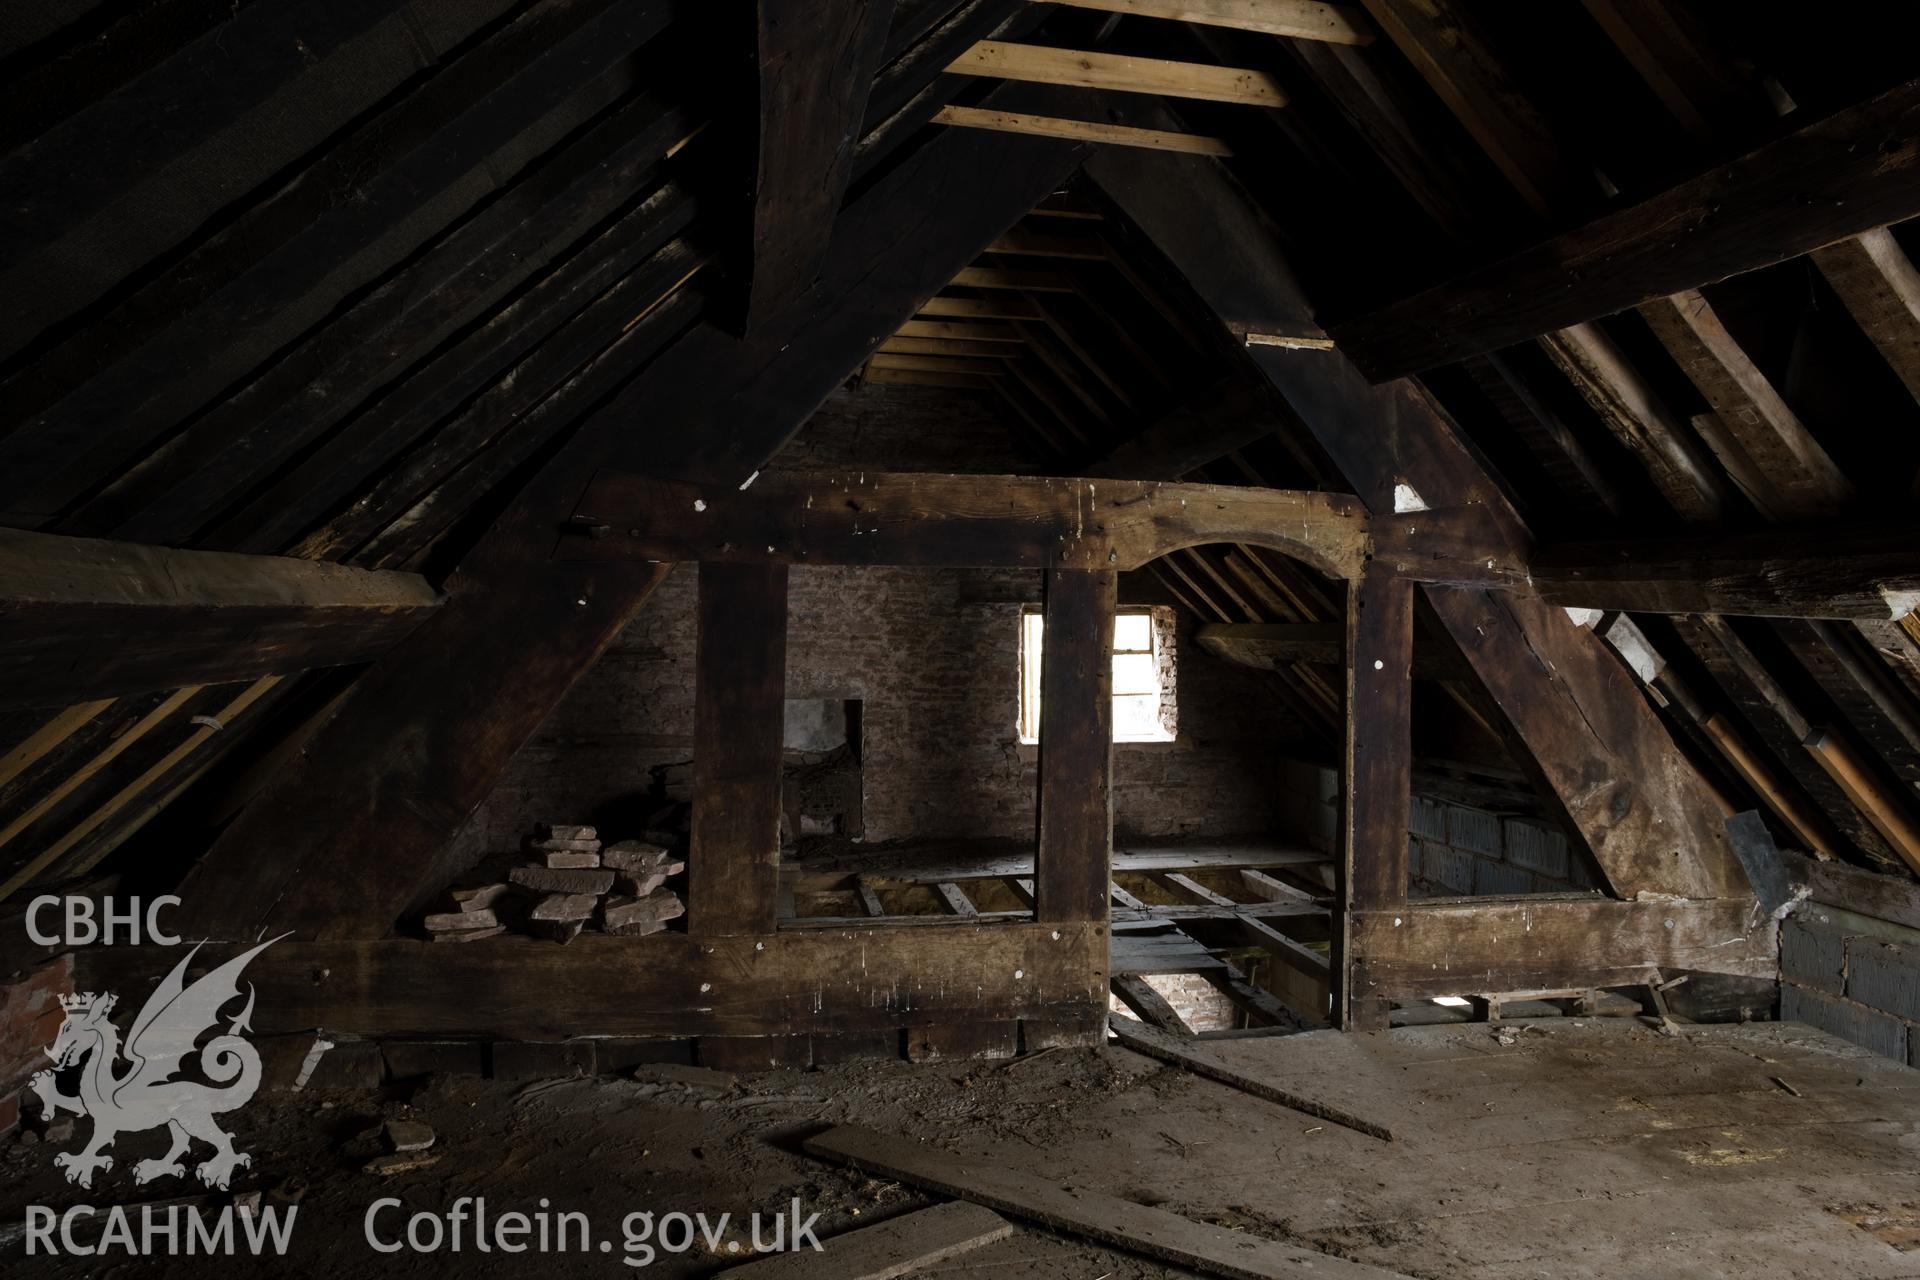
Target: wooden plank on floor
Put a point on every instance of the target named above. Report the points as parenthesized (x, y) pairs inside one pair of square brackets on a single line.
[(886, 1249), (1187, 1058), (1103, 1218)]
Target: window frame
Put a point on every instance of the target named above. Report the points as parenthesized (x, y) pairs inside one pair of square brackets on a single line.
[(1027, 712)]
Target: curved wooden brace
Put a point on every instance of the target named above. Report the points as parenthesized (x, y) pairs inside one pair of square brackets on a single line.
[(1012, 521)]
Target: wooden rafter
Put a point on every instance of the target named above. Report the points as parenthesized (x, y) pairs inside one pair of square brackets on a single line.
[(69, 605), (1765, 432), (1443, 41), (1296, 19), (1855, 571), (1081, 130), (1880, 286), (1737, 217), (1087, 69), (816, 63)]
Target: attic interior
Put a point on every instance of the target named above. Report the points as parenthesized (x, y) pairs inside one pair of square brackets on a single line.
[(1128, 638)]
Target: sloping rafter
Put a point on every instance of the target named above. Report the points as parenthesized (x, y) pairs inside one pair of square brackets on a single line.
[(69, 605), (816, 64), (1734, 218)]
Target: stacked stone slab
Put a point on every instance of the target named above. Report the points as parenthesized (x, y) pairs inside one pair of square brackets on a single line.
[(575, 883)]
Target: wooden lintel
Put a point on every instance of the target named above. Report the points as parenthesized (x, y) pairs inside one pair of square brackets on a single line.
[(1457, 945), (669, 984), (1853, 571), (1864, 161), (1012, 521), (83, 618)]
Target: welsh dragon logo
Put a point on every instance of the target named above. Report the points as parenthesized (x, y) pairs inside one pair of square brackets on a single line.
[(146, 1095)]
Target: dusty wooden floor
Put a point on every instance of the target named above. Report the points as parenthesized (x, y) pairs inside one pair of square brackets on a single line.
[(1595, 1149)]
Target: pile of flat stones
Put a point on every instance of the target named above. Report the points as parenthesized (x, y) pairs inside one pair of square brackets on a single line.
[(573, 883)]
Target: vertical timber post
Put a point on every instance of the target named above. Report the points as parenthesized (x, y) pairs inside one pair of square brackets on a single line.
[(1073, 861), (1073, 858), (1376, 775), (740, 685)]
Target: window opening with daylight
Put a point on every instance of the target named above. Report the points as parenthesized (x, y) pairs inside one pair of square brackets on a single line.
[(1139, 685)]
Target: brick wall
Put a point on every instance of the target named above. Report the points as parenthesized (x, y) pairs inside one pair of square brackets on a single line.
[(1452, 849), (1200, 1004), (1455, 849), (1853, 976), (933, 657)]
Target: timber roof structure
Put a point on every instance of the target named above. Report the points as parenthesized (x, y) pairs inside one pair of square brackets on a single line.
[(324, 315)]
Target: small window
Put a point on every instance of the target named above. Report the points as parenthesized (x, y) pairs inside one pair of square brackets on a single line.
[(1139, 683)]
